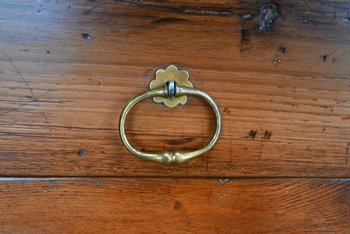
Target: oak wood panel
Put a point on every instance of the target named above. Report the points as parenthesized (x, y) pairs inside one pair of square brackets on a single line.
[(285, 112), (174, 206)]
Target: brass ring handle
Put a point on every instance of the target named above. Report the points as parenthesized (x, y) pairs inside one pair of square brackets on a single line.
[(170, 90)]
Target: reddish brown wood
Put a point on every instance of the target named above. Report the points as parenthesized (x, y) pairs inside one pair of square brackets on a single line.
[(174, 206), (68, 67), (285, 111)]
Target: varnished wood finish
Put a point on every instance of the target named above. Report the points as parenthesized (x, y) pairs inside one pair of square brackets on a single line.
[(61, 93), (175, 206), (67, 68)]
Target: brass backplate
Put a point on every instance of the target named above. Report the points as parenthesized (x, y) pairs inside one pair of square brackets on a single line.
[(181, 77)]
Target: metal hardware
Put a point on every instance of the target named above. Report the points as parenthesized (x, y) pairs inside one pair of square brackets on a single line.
[(171, 87), (179, 77)]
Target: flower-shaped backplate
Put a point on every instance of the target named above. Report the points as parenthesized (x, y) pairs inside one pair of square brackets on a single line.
[(181, 77)]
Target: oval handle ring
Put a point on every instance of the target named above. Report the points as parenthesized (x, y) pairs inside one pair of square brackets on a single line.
[(170, 90)]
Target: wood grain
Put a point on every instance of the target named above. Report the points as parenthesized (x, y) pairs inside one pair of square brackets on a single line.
[(285, 112), (67, 68), (174, 206)]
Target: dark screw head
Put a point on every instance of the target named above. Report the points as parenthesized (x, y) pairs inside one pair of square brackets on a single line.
[(82, 153), (86, 36)]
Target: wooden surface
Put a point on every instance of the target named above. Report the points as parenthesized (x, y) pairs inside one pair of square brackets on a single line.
[(175, 206), (61, 93), (67, 68)]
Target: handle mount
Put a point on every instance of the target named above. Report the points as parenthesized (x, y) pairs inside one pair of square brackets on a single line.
[(171, 88)]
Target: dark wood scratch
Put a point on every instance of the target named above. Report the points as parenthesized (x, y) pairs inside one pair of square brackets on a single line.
[(24, 104), (19, 73), (34, 98), (333, 52), (14, 109), (169, 20), (47, 121)]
